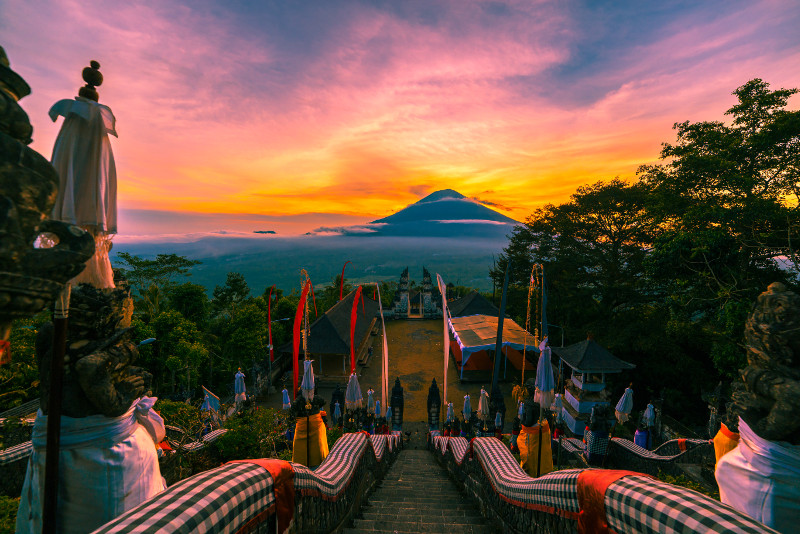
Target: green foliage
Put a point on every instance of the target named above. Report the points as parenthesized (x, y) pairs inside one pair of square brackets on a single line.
[(190, 300), (185, 416), (179, 350), (684, 482), (19, 380), (8, 514), (227, 297), (254, 434), (152, 278)]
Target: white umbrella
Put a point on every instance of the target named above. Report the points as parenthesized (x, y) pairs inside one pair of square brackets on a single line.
[(377, 408), (307, 385), (370, 400), (87, 193), (286, 402), (483, 406), (498, 421), (238, 387), (450, 414), (467, 411), (337, 413), (558, 404), (389, 415), (545, 383), (624, 406), (353, 399), (649, 416)]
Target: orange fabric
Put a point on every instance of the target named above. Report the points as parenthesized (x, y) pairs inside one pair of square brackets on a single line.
[(164, 445), (283, 484), (528, 444), (310, 445), (724, 442), (682, 444), (592, 486)]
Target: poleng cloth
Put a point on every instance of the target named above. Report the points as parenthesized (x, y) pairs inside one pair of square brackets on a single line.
[(528, 443), (724, 442), (282, 475), (759, 478), (107, 466), (310, 436), (591, 489)]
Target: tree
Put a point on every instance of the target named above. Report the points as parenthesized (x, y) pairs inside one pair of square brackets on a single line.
[(190, 300), (181, 348), (233, 293), (593, 248), (151, 278), (727, 204)]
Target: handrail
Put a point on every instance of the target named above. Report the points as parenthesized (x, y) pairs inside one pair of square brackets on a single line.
[(239, 495), (555, 502)]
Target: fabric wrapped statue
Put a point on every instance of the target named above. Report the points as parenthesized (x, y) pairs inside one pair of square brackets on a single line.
[(531, 437), (87, 194), (310, 444), (108, 462)]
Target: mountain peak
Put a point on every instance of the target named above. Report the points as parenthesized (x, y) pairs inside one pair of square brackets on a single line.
[(441, 195)]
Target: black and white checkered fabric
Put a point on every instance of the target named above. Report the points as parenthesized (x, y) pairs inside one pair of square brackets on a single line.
[(570, 444), (379, 444), (25, 411), (647, 506), (459, 446), (658, 454), (554, 493), (596, 443), (16, 453), (334, 474), (220, 500), (211, 437), (214, 435)]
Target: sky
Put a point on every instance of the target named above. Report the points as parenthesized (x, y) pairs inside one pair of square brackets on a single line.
[(272, 115)]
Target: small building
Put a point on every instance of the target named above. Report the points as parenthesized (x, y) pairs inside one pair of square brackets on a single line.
[(329, 337), (586, 387)]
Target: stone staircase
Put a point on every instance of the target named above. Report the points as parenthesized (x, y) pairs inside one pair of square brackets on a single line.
[(416, 495)]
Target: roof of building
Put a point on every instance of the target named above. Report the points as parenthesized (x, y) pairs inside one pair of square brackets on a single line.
[(588, 356), (330, 333), (473, 303)]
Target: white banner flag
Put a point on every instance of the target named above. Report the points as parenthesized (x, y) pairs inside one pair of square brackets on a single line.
[(443, 291)]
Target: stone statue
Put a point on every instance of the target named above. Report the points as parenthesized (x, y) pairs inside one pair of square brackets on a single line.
[(770, 398), (99, 375), (30, 278)]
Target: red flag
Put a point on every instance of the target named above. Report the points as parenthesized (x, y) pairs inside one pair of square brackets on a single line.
[(353, 317), (269, 323), (341, 285), (298, 320)]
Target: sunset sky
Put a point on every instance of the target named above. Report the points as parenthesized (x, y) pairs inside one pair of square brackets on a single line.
[(240, 116)]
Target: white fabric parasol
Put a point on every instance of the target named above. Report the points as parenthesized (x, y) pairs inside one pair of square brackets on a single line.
[(307, 385), (545, 382), (624, 406), (353, 399), (483, 406)]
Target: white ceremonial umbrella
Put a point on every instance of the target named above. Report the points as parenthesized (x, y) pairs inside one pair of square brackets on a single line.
[(238, 387), (467, 411), (353, 399), (624, 406), (286, 402), (370, 400), (483, 406), (307, 385), (545, 382)]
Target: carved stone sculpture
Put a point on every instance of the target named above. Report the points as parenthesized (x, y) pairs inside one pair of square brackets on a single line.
[(99, 376), (30, 278), (770, 399)]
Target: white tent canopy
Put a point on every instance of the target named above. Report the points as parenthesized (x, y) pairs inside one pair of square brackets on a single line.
[(475, 333)]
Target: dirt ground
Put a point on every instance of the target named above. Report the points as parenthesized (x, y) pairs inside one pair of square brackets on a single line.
[(415, 356)]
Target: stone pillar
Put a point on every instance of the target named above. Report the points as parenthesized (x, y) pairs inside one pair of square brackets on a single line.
[(428, 306), (397, 405), (434, 406)]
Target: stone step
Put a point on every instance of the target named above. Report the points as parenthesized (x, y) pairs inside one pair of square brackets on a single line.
[(412, 508), (388, 526), (426, 516)]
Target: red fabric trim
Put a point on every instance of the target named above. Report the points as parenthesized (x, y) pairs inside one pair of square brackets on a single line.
[(592, 487), (341, 285), (256, 520), (682, 444), (353, 318), (5, 351), (728, 433), (283, 485)]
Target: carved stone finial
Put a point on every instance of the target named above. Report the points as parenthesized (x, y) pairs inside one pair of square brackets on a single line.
[(770, 398), (93, 78)]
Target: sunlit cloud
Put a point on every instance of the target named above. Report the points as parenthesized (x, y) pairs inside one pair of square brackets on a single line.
[(338, 113)]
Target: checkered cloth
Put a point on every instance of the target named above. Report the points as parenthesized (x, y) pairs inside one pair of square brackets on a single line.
[(643, 505), (214, 435), (596, 444), (555, 493), (659, 453), (221, 500), (572, 445), (333, 476), (378, 445), (15, 453), (459, 446), (28, 409)]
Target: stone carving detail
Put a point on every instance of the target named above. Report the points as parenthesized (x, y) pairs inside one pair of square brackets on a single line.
[(769, 397), (30, 278), (99, 376)]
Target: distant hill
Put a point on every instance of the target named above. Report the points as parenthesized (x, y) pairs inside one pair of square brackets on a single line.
[(445, 213)]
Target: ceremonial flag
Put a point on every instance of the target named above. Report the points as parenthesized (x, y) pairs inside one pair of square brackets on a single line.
[(443, 291), (353, 318)]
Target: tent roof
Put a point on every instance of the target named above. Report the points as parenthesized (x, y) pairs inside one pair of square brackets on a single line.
[(474, 333), (473, 303), (330, 333), (588, 356)]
